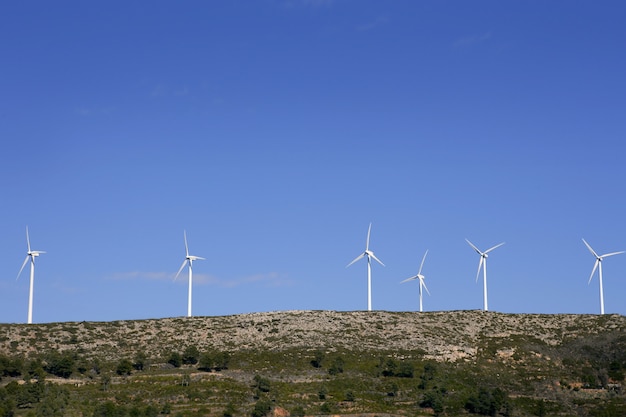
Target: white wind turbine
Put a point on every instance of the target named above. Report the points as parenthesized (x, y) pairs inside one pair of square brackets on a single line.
[(188, 259), (369, 254), (483, 264), (598, 265), (32, 254), (421, 279)]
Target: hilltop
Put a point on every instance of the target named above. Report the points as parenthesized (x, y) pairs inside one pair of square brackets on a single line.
[(442, 336), (378, 362)]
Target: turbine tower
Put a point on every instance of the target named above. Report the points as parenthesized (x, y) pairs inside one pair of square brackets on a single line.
[(188, 259), (32, 254), (598, 265), (421, 279), (369, 254), (483, 264)]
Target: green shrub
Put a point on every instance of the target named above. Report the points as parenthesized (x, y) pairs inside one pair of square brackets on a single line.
[(124, 367), (175, 359), (262, 384), (190, 355)]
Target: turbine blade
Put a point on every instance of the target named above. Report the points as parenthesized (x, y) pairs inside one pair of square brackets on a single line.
[(492, 248), (413, 278), (611, 254), (378, 260), (424, 284), (22, 268), (590, 249), (480, 264), (422, 264), (27, 239), (593, 271), (472, 245), (186, 247), (367, 242), (356, 259), (180, 269)]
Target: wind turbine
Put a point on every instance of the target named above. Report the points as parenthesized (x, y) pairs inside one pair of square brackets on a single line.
[(483, 264), (369, 254), (32, 254), (421, 279), (188, 259), (598, 265)]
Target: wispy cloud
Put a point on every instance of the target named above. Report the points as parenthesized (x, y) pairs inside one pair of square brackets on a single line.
[(380, 21), (270, 279), (181, 91), (86, 111), (164, 90), (159, 90), (154, 276), (472, 40)]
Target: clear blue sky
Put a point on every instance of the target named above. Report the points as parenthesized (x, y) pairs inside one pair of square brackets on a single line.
[(275, 131)]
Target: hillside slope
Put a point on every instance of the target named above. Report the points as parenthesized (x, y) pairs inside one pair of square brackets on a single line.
[(440, 335), (318, 363)]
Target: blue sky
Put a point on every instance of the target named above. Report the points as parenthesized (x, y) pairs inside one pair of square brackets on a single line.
[(275, 131)]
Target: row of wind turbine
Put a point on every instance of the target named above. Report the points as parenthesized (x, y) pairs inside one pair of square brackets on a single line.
[(32, 254), (482, 264)]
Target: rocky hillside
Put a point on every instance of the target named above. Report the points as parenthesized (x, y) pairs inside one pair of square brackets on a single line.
[(442, 336), (318, 363)]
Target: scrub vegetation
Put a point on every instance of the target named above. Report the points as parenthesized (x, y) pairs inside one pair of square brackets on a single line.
[(318, 363)]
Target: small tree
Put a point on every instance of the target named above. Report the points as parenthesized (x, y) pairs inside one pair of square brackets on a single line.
[(318, 357), (124, 367), (262, 408), (221, 361), (390, 367), (434, 400), (60, 364), (141, 361), (262, 384), (206, 362), (190, 355), (175, 359)]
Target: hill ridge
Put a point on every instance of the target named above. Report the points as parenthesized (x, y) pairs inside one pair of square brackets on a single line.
[(442, 336)]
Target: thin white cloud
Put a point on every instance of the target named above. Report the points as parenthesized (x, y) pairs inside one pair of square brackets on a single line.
[(181, 91), (83, 111), (381, 21), (154, 276), (159, 90), (472, 40), (270, 279), (164, 90)]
